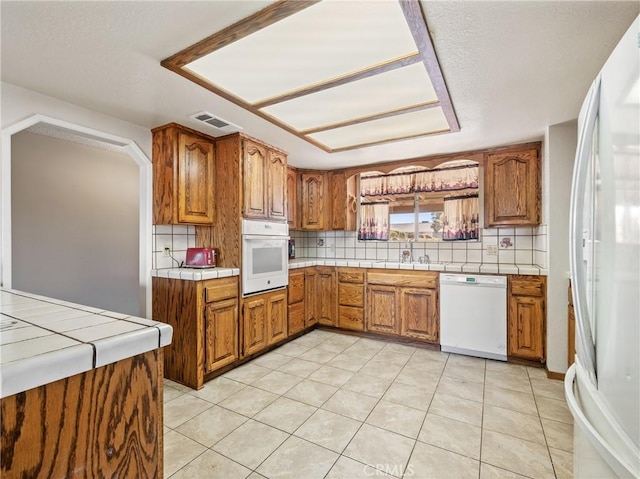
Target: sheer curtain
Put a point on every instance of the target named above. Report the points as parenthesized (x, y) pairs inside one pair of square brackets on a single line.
[(374, 221), (460, 220)]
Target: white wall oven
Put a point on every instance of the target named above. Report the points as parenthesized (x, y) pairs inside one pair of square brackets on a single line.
[(265, 256)]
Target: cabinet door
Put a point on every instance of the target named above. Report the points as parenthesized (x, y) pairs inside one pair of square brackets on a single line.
[(276, 317), (255, 193), (337, 201), (296, 317), (296, 286), (327, 298), (312, 201), (311, 296), (382, 309), (195, 180), (221, 329), (419, 314), (526, 327), (254, 319), (276, 186), (512, 188), (292, 198)]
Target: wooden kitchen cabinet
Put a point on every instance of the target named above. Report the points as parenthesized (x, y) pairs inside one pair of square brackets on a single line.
[(264, 180), (342, 202), (312, 200), (204, 317), (351, 298), (419, 314), (277, 317), (382, 310), (183, 176), (512, 187), (311, 296), (292, 198), (526, 317), (296, 300), (264, 321), (326, 299)]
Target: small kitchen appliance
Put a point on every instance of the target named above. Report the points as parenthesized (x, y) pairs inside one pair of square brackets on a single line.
[(292, 249), (200, 258)]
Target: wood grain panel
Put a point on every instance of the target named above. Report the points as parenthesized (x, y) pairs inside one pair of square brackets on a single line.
[(382, 309), (296, 317), (351, 275), (351, 318), (276, 186), (337, 200), (221, 333), (419, 314), (292, 198), (311, 297), (195, 179), (327, 300), (421, 279), (276, 317), (254, 320), (165, 175), (296, 286), (106, 422), (254, 180), (527, 285), (219, 289), (313, 208), (351, 295)]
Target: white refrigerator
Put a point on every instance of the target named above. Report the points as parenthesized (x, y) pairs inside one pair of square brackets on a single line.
[(603, 386)]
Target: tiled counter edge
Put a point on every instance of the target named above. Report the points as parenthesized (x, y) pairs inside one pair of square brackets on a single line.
[(44, 339), (194, 274)]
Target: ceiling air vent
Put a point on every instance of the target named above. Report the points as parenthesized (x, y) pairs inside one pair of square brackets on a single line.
[(216, 122)]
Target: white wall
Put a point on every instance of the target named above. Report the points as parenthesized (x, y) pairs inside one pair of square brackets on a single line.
[(560, 148), (75, 223)]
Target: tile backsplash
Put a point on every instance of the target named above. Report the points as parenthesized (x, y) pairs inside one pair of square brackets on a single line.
[(523, 245), (178, 238)]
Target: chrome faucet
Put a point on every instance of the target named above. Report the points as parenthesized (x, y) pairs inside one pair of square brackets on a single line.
[(424, 259), (407, 254)]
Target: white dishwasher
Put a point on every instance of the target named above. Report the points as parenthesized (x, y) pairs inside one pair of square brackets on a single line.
[(473, 315)]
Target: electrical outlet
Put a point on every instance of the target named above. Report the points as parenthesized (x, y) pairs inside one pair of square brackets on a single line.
[(492, 250), (166, 252)]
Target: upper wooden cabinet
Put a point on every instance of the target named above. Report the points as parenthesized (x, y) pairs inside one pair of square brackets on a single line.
[(183, 176), (512, 189), (342, 202), (264, 181), (312, 201), (292, 198)]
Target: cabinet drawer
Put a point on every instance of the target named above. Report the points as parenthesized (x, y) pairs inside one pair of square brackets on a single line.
[(423, 279), (527, 286), (351, 318), (296, 287), (351, 276), (351, 295), (218, 289), (296, 317)]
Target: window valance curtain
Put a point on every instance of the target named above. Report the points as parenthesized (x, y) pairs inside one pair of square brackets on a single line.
[(460, 219), (444, 179), (374, 221)]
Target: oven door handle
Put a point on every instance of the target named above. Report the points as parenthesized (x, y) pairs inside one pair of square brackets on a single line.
[(264, 237)]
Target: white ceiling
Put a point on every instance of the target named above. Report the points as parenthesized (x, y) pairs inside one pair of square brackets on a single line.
[(512, 68)]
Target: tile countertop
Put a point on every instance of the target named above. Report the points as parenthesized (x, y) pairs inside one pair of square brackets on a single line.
[(43, 340), (195, 274), (444, 267)]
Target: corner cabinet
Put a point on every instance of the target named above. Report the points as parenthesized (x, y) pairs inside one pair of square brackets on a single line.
[(183, 176), (342, 202), (264, 180), (526, 317), (512, 187)]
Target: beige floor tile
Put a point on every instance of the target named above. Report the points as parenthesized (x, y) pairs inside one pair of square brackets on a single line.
[(399, 348), (343, 339), (347, 468), (516, 455), (559, 434), (299, 367), (293, 349), (263, 440), (364, 348), (381, 449), (554, 409), (249, 401), (397, 418), (318, 355), (347, 403), (255, 475), (311, 392), (420, 379), (247, 373), (452, 435), (508, 381), (432, 354), (212, 465), (461, 388), (332, 376), (178, 386), (537, 373), (466, 361), (298, 458), (218, 389), (507, 368), (508, 399), (183, 408), (548, 388), (417, 398), (271, 360), (513, 423), (562, 463), (426, 365), (310, 340), (170, 393), (285, 414), (277, 382), (487, 471), (329, 430), (347, 362), (390, 357), (333, 346), (380, 368), (179, 451), (457, 408), (466, 373), (212, 425), (165, 429), (368, 385), (428, 461)]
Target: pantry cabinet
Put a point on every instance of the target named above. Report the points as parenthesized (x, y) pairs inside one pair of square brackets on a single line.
[(312, 200), (292, 198), (264, 321), (526, 317), (351, 298), (512, 187), (183, 176), (264, 180)]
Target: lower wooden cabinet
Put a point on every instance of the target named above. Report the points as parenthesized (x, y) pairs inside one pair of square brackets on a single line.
[(351, 298), (264, 321), (221, 339), (382, 310), (326, 290), (296, 300), (419, 314), (526, 317), (311, 296)]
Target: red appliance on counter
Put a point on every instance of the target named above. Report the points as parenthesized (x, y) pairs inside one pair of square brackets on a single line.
[(200, 258)]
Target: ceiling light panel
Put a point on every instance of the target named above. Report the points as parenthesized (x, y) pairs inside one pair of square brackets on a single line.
[(328, 40), (418, 123), (400, 88)]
